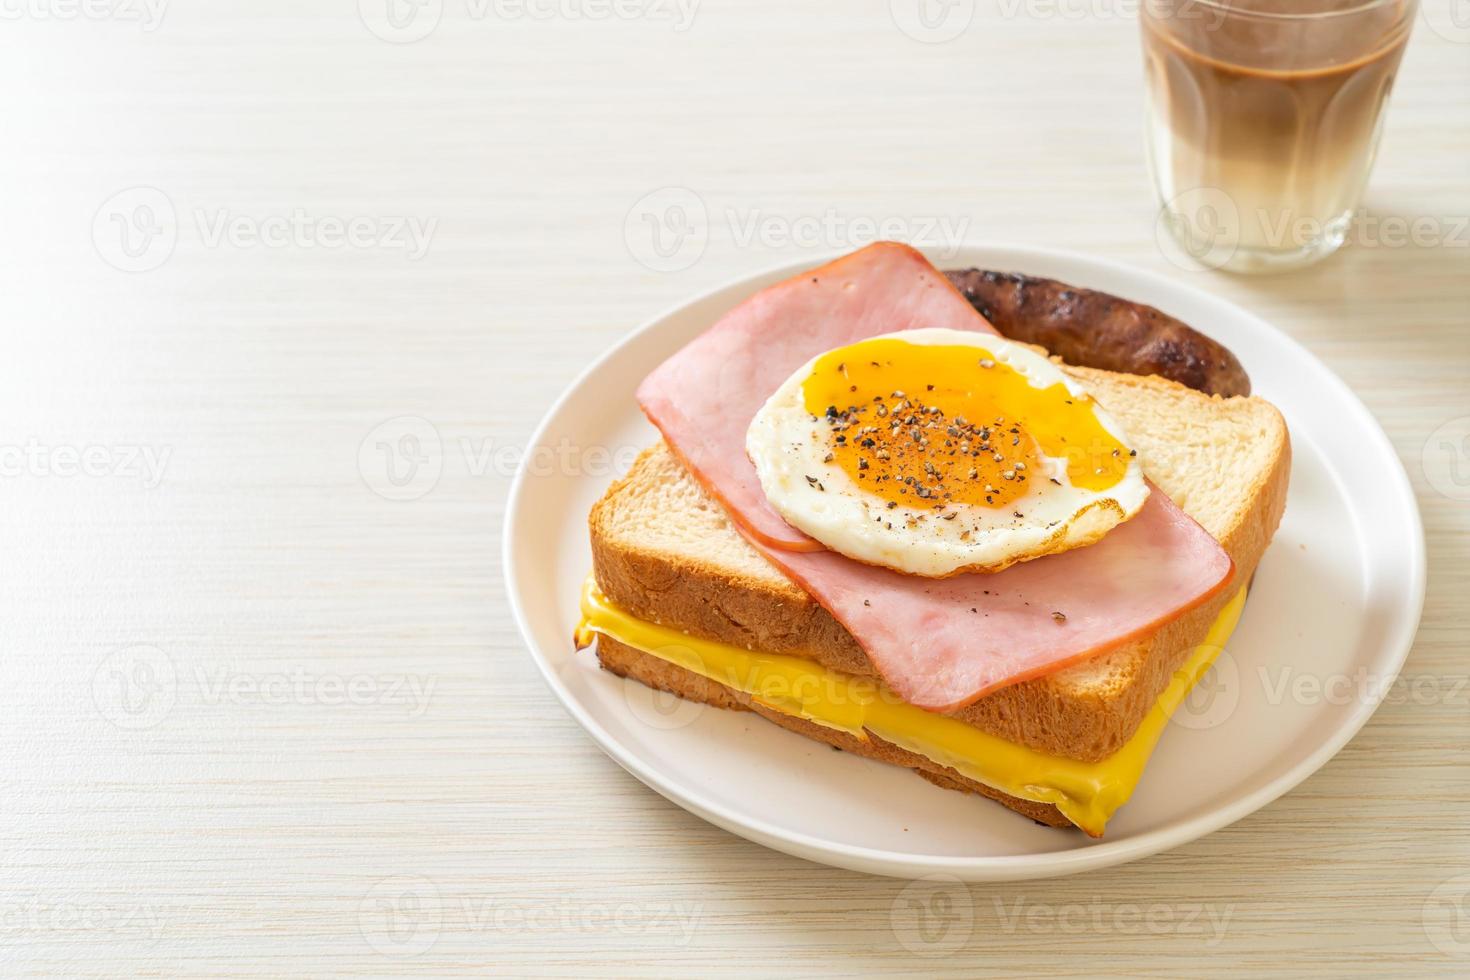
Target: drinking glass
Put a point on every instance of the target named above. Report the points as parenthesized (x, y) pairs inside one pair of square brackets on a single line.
[(1263, 121)]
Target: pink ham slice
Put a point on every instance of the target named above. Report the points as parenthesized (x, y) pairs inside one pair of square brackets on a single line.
[(939, 644), (943, 643), (704, 397)]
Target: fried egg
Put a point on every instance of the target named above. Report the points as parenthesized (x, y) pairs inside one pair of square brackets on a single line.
[(935, 452)]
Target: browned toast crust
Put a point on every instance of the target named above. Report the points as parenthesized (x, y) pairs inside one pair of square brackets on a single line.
[(649, 670)]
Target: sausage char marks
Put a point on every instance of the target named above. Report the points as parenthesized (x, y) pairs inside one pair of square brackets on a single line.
[(1099, 330)]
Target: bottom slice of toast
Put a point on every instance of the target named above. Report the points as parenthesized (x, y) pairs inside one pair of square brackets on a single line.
[(661, 675)]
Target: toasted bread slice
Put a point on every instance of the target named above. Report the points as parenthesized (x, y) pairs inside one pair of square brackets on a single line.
[(650, 670), (645, 668), (665, 551)]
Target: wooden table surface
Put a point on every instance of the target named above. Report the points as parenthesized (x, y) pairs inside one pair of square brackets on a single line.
[(258, 717)]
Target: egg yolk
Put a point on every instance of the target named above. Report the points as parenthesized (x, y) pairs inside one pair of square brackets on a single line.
[(939, 425)]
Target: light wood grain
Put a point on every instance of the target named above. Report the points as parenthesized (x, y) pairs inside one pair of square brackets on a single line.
[(252, 838)]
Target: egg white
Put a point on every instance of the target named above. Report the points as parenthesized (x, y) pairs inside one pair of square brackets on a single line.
[(788, 445)]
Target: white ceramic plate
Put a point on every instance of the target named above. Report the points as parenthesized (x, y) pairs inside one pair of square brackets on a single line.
[(1328, 624)]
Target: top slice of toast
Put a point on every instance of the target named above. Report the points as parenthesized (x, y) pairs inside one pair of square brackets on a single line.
[(664, 550)]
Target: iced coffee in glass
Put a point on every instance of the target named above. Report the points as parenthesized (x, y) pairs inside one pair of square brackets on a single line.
[(1264, 116)]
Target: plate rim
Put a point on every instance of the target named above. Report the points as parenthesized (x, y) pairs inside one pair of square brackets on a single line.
[(1012, 867)]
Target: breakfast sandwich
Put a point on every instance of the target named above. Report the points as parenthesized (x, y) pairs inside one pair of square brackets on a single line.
[(879, 523)]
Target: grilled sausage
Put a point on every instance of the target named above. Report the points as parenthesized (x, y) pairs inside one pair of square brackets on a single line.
[(1093, 329)]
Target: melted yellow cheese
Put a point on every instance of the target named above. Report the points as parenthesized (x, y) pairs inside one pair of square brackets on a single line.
[(1087, 793)]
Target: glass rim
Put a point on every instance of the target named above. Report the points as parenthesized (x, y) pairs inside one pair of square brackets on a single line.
[(1228, 7)]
